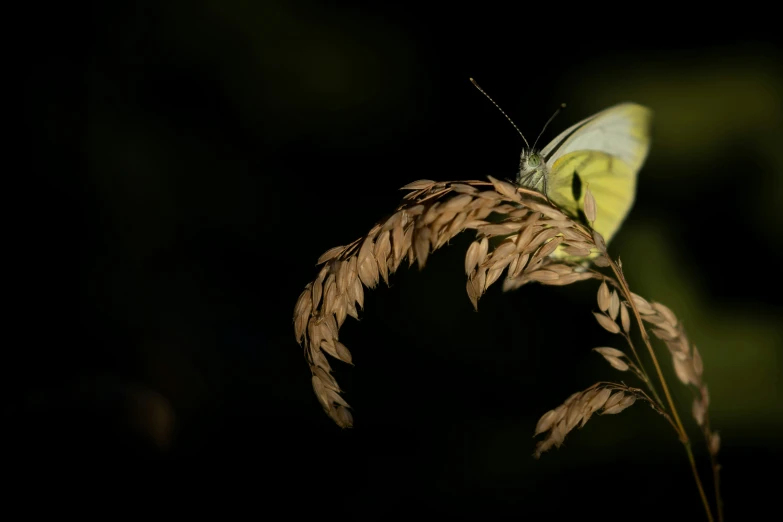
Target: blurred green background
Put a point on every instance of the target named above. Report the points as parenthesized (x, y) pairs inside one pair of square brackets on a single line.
[(193, 159)]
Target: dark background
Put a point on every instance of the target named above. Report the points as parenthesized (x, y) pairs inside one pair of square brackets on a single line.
[(193, 159)]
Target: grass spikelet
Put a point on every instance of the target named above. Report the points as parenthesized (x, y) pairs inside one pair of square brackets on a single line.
[(534, 242)]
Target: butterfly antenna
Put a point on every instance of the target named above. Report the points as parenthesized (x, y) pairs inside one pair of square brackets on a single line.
[(562, 106), (501, 110)]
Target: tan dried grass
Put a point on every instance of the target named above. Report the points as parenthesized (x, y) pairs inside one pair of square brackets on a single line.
[(537, 243)]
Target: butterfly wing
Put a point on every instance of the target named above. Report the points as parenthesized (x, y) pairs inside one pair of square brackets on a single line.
[(605, 152)]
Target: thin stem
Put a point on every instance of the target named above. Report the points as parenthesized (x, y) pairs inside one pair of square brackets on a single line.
[(681, 429), (715, 469), (647, 379), (716, 478)]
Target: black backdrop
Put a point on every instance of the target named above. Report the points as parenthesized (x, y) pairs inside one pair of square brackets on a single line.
[(192, 161)]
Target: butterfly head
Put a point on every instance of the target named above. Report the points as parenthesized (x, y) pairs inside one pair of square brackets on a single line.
[(532, 160)]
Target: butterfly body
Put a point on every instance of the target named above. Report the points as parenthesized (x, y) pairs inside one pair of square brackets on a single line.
[(533, 172)]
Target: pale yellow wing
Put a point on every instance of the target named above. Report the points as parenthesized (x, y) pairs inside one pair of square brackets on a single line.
[(611, 180), (622, 130), (604, 152)]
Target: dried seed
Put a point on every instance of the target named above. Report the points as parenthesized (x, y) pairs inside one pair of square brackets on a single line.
[(329, 326), (571, 398), (422, 246), (342, 279), (494, 229), (599, 241), (523, 239), (483, 249), (614, 400), (684, 370), (543, 275), (300, 326), (559, 432), (655, 319), (642, 305), (545, 422), (342, 416), (326, 378), (341, 310), (419, 185), (626, 401), (549, 247), (456, 224), (666, 326), (357, 292), (382, 251), (493, 275), (318, 287), (573, 237), (663, 335), (444, 217), (607, 323), (503, 250), (415, 210), (573, 418), (604, 297), (304, 304), (343, 353), (705, 395), (351, 310), (502, 260), (576, 251), (608, 351), (318, 358), (470, 287), (430, 215), (481, 280), (540, 238), (699, 411), (546, 210), (366, 250), (714, 443), (490, 195), (614, 306), (600, 398), (542, 447), (368, 272), (333, 396), (589, 205), (517, 265), (398, 239), (625, 319), (388, 225), (461, 188), (616, 363), (320, 391), (666, 312), (330, 254), (567, 279), (506, 189), (457, 203), (505, 208), (471, 257), (330, 293)]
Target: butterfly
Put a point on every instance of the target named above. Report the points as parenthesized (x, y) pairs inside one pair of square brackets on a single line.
[(603, 152)]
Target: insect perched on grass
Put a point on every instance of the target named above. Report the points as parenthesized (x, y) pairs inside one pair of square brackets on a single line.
[(604, 151)]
